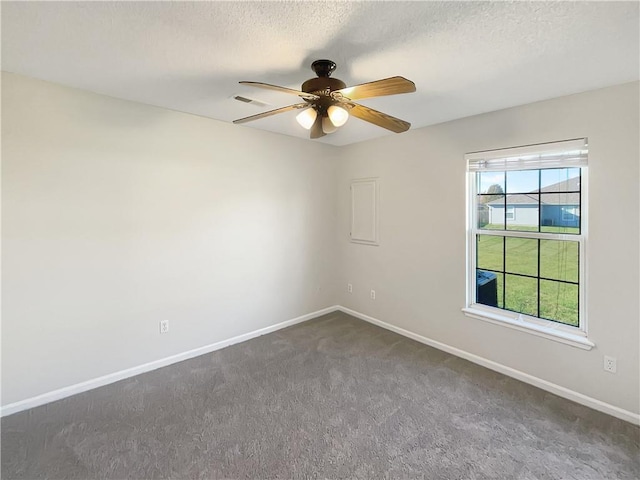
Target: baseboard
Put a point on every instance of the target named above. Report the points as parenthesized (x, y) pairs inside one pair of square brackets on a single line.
[(147, 367), (510, 372), (564, 392)]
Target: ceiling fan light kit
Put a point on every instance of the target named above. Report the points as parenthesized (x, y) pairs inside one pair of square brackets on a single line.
[(334, 118), (338, 115), (306, 118), (328, 102), (327, 125)]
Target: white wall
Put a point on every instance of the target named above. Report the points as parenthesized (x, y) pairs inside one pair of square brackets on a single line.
[(117, 215), (418, 271)]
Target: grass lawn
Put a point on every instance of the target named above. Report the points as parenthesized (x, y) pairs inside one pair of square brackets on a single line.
[(558, 261), (525, 228)]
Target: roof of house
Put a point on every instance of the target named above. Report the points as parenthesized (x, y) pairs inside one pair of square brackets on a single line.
[(549, 195)]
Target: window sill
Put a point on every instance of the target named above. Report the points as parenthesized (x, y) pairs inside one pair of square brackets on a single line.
[(549, 330)]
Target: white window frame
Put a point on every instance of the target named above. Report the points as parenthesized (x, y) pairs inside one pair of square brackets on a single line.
[(526, 158)]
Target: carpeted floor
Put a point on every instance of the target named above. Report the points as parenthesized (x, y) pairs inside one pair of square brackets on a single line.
[(334, 397)]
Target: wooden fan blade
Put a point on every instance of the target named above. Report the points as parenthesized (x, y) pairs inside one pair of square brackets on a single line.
[(291, 91), (271, 112), (316, 129), (379, 88), (378, 118)]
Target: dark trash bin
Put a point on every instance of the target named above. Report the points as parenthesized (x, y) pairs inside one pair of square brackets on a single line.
[(487, 288)]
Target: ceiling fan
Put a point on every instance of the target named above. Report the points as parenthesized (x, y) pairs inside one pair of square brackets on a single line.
[(328, 102)]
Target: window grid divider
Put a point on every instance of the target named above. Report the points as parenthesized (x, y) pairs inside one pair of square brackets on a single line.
[(475, 230)]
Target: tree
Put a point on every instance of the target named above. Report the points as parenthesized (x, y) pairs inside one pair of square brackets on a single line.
[(495, 189), (494, 192)]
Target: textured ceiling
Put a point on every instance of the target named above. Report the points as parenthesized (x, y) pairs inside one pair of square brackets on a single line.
[(464, 57)]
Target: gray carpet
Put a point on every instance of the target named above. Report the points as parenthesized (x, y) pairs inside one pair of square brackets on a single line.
[(334, 397)]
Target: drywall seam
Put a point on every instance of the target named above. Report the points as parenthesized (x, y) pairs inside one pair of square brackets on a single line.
[(508, 371), (147, 367)]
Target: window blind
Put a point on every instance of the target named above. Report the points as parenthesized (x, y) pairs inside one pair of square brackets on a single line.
[(569, 153)]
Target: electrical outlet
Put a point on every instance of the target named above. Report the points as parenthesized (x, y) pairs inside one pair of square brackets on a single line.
[(164, 326), (349, 288), (373, 294), (610, 364)]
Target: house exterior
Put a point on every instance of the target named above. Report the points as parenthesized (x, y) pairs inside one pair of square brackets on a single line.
[(559, 204)]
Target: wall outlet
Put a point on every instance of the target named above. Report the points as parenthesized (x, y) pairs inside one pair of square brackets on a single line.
[(610, 364), (164, 326), (349, 288), (373, 294)]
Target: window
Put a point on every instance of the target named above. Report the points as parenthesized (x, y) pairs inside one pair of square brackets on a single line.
[(526, 239), (511, 213), (569, 214)]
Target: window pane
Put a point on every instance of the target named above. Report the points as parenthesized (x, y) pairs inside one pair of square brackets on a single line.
[(522, 181), (489, 251), (559, 302), (522, 256), (522, 212), (491, 182), (534, 276), (486, 205), (560, 180), (559, 260), (521, 294), (489, 288), (560, 213)]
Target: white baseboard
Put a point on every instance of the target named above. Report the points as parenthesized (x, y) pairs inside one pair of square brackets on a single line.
[(163, 362), (510, 372), (147, 367)]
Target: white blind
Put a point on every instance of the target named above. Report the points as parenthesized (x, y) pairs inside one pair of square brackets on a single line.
[(569, 153)]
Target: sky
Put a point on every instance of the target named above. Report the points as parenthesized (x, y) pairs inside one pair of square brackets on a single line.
[(523, 181)]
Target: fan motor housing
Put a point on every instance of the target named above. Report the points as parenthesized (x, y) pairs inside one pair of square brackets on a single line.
[(322, 84)]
